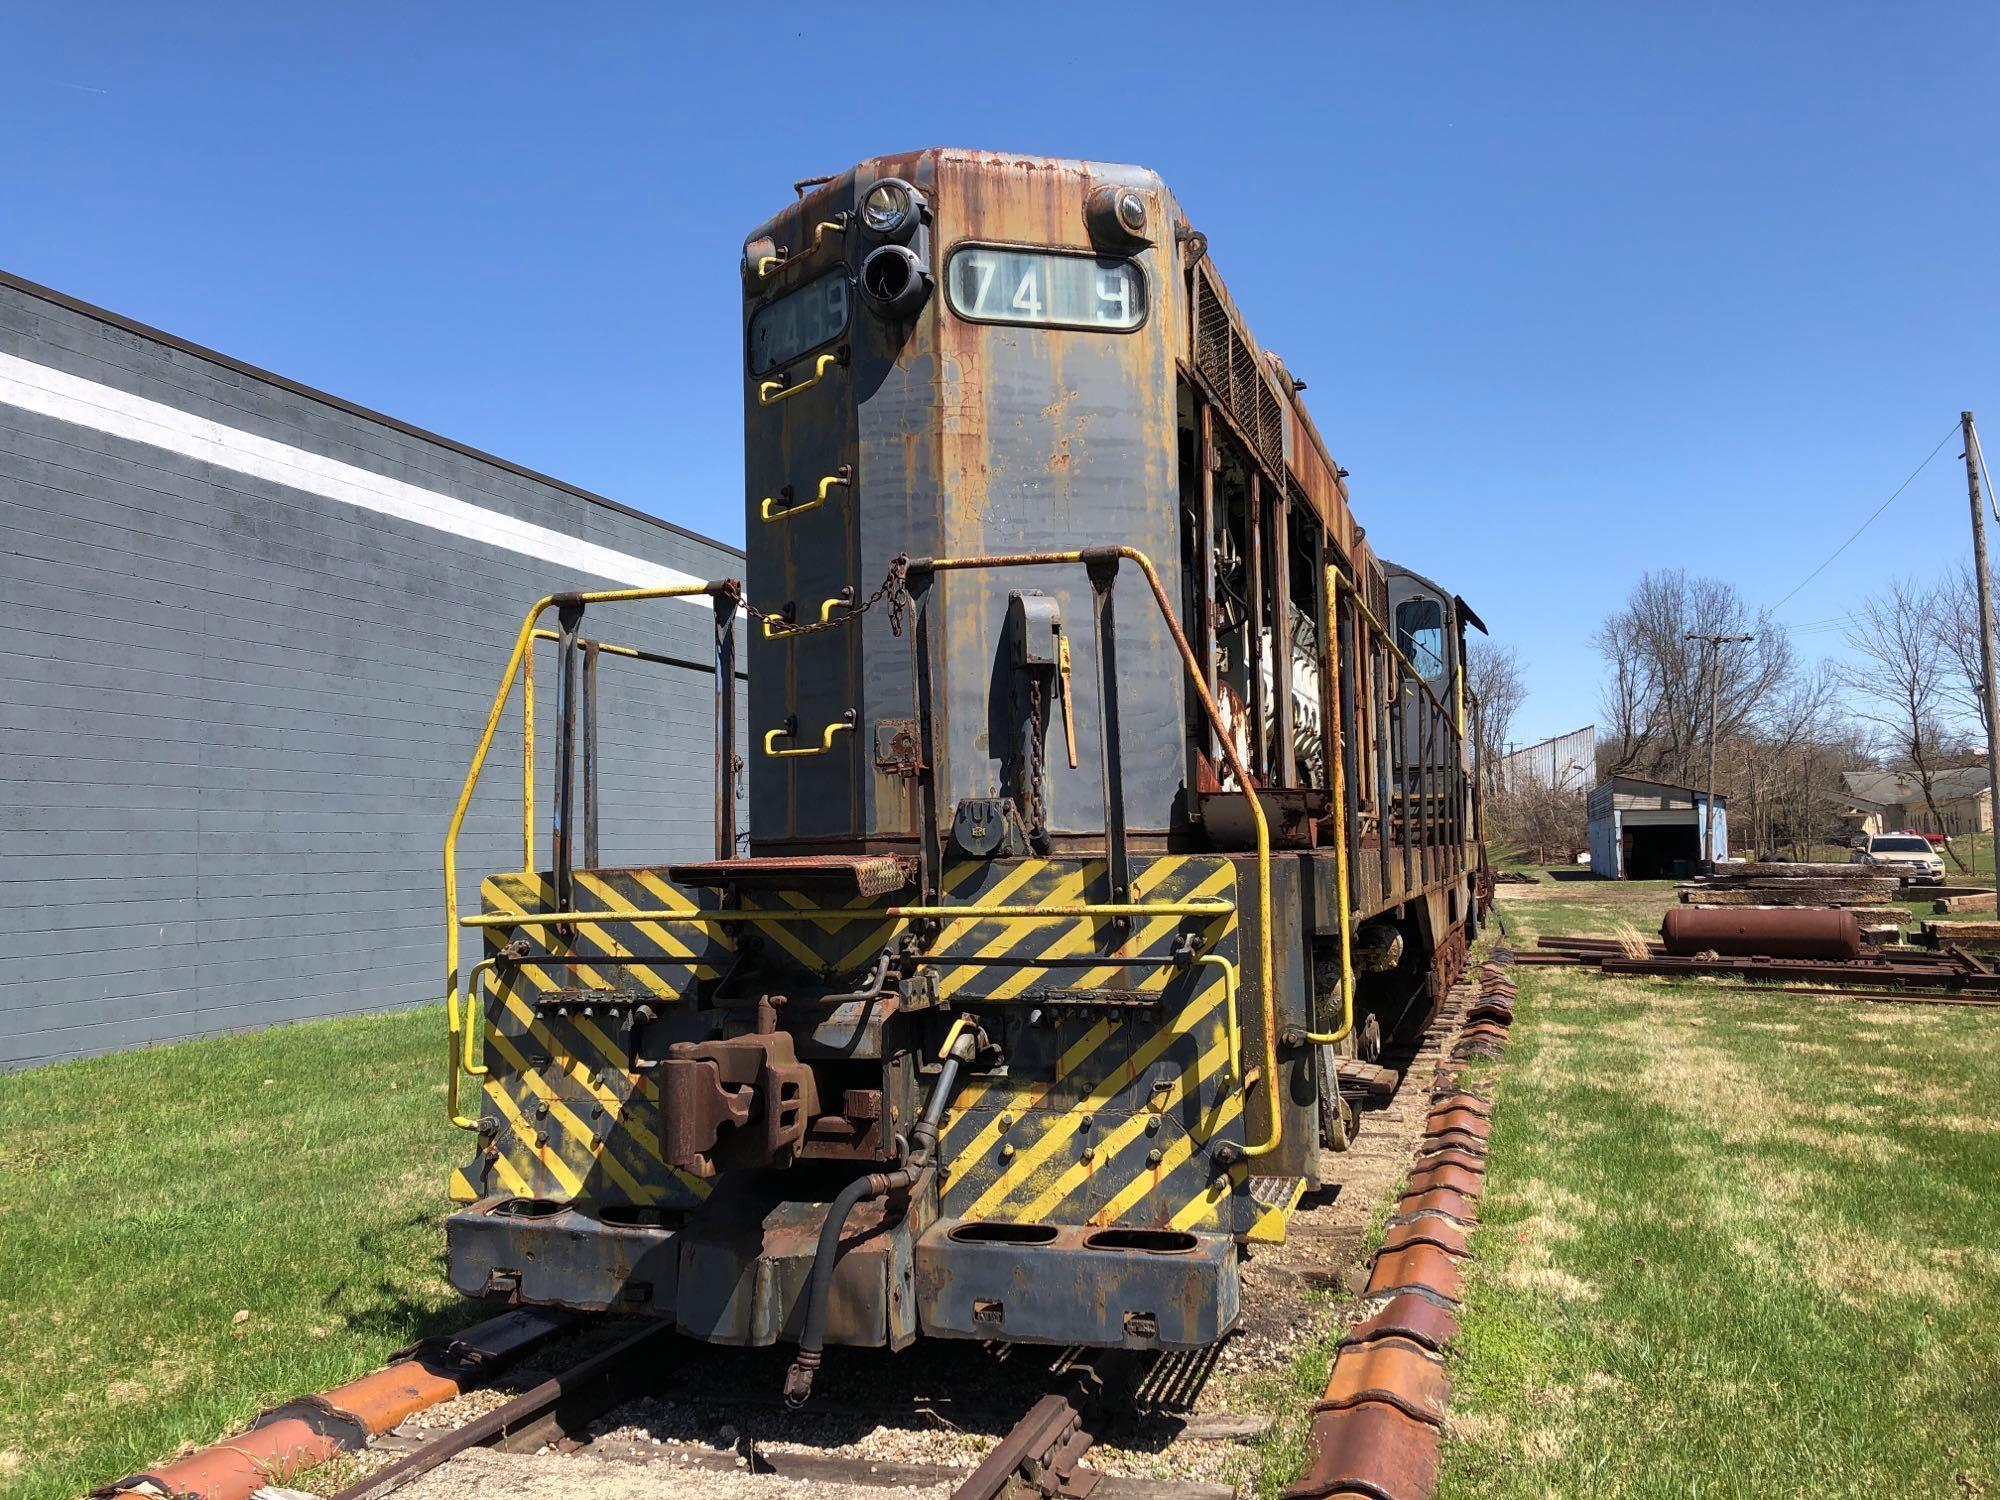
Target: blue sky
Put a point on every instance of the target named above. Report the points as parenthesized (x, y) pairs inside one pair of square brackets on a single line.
[(1580, 290)]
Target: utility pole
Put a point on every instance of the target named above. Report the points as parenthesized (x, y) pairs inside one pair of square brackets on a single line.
[(1715, 645), (1992, 703)]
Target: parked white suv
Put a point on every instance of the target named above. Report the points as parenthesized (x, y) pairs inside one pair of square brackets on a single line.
[(1909, 855)]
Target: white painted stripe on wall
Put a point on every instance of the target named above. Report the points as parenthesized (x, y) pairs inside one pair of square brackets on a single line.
[(71, 398)]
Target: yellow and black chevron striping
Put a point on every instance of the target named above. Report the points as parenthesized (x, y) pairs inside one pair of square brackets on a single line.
[(1105, 1114), (1121, 1077)]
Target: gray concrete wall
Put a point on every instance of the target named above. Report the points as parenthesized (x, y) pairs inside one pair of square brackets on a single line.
[(248, 639)]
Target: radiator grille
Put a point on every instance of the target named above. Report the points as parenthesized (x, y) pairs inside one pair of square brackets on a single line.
[(1226, 359)]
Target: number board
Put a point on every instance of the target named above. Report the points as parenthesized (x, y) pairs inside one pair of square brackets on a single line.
[(798, 321), (1047, 288)]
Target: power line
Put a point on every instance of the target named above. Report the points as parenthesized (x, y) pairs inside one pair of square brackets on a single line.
[(1949, 435)]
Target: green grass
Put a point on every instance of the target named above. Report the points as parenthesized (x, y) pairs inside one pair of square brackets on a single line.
[(146, 1199), (1732, 1243)]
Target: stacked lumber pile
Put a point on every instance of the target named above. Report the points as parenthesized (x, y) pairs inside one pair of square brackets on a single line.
[(1865, 887)]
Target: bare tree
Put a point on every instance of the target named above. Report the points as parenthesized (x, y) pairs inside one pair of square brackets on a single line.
[(1956, 619), (1656, 703), (1553, 821), (1902, 675), (1494, 676)]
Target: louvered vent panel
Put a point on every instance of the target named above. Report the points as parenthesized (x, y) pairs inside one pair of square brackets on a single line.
[(1222, 355), (1212, 335), (1270, 427)]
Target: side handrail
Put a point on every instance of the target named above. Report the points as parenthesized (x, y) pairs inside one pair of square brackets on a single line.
[(523, 644), (790, 730), (1266, 950), (782, 626), (768, 264), (770, 510), (1335, 581), (771, 392)]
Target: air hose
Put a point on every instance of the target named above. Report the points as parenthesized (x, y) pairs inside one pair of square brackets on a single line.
[(961, 1044)]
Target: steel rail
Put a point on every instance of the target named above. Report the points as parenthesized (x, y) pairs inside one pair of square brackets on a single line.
[(530, 1406)]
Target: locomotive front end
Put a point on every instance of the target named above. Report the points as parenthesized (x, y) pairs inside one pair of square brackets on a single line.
[(973, 1033)]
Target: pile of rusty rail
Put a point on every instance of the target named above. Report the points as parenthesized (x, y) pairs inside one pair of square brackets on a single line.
[(1949, 976), (1379, 1428)]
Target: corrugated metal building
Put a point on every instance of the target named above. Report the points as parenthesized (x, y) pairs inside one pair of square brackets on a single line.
[(252, 633), (1641, 830), (1564, 762)]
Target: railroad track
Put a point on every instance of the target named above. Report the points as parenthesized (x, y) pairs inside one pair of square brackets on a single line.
[(1042, 1454), (1948, 976), (625, 1393)]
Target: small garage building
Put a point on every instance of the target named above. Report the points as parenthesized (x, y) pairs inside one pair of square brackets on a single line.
[(1645, 830)]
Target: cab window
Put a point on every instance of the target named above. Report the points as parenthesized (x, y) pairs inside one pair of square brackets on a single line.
[(1420, 632)]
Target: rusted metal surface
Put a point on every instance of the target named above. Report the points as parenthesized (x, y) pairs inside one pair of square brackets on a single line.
[(1416, 1265), (1043, 1452), (1399, 1371), (739, 1101), (1374, 1449), (555, 1254), (1075, 1283), (1968, 981), (862, 874), (1419, 1319), (1762, 932), (747, 1257), (884, 423)]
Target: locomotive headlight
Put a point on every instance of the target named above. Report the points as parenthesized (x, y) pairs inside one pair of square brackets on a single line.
[(890, 208), (1116, 217), (894, 280), (1131, 211)]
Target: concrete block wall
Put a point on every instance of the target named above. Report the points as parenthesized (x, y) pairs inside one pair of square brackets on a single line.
[(248, 639)]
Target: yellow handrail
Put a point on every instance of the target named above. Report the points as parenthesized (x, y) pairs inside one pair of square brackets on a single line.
[(1339, 788), (768, 263), (776, 628), (475, 1021), (773, 391), (523, 641), (826, 485), (528, 758), (1229, 982), (1068, 912), (789, 730), (604, 646)]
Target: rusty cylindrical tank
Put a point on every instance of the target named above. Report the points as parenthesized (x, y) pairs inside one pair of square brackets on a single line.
[(1762, 931)]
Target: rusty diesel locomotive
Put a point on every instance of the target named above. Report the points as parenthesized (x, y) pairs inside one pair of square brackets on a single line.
[(1111, 808)]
